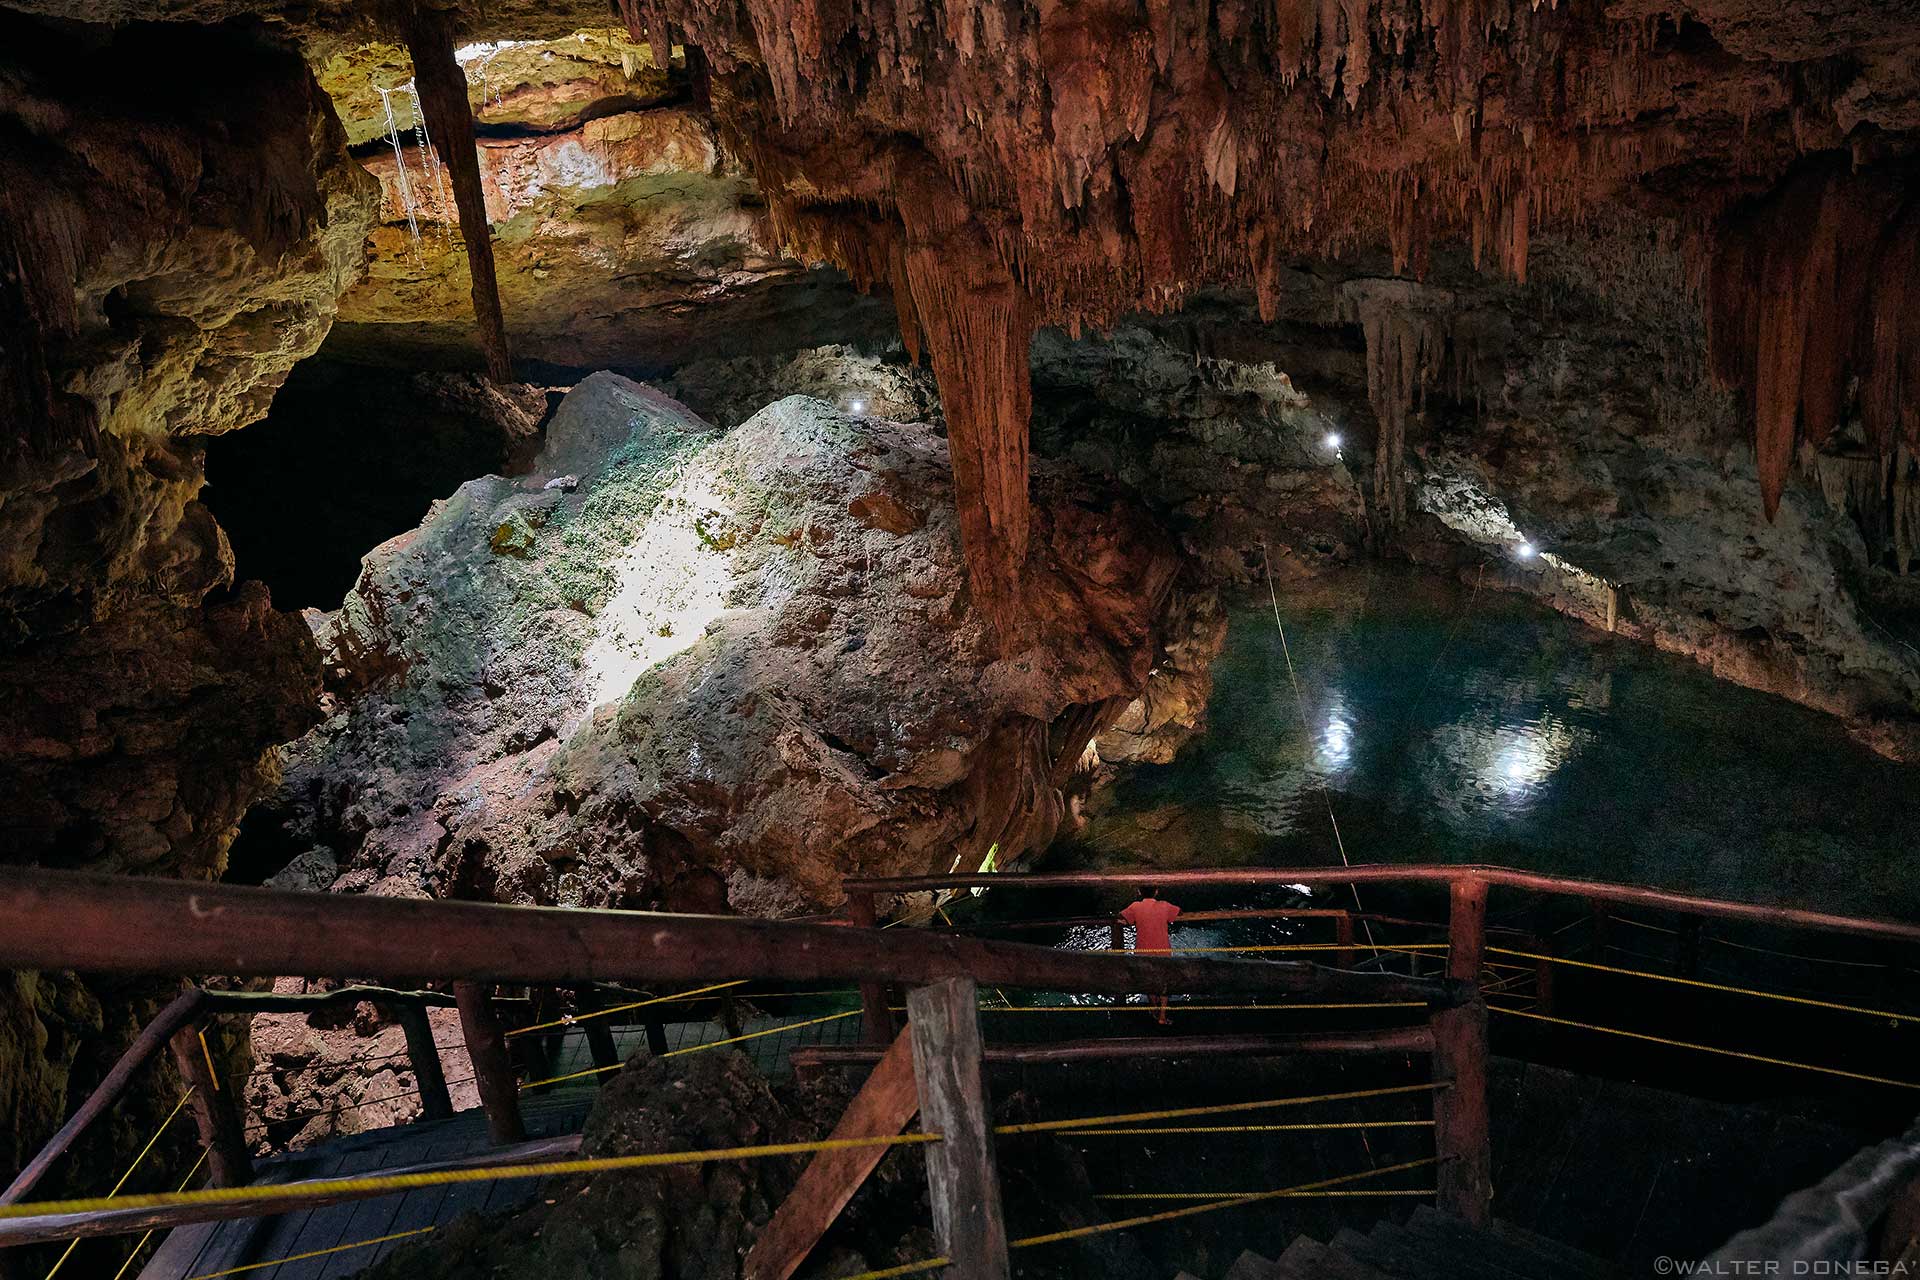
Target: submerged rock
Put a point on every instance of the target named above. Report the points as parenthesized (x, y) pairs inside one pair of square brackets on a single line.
[(675, 667)]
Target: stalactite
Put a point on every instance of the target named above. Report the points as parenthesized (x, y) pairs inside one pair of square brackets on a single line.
[(977, 325), (442, 87), (1109, 156), (1811, 291), (1402, 362)]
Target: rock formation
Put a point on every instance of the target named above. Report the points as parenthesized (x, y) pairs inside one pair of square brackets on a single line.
[(177, 217), (624, 236), (674, 667)]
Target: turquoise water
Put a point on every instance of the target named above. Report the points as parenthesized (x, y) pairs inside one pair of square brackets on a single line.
[(1446, 725)]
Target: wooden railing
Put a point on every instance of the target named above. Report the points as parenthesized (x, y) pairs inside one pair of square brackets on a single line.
[(96, 923), (1413, 873), (101, 924)]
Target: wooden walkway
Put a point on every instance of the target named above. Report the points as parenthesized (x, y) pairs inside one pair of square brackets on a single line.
[(212, 1249)]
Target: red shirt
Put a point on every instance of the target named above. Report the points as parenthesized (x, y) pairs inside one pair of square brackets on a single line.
[(1150, 918)]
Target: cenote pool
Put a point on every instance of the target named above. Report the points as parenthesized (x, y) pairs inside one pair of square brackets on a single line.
[(1447, 725)]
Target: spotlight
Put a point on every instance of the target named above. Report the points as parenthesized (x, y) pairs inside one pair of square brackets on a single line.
[(1525, 550), (857, 407), (1333, 440)]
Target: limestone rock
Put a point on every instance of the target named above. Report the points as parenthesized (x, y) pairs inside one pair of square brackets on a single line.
[(179, 215), (528, 84), (701, 667)]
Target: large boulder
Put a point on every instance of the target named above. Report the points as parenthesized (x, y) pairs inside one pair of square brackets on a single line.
[(675, 667)]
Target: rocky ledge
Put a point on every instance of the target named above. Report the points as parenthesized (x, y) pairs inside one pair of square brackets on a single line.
[(675, 667)]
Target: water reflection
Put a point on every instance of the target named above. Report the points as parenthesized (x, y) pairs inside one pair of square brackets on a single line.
[(1443, 726)]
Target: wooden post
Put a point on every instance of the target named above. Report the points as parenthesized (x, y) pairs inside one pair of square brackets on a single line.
[(599, 1035), (1117, 935), (656, 1037), (216, 1111), (876, 1019), (962, 1180), (1461, 1137), (882, 1108), (442, 88), (492, 1069), (1543, 974), (1346, 957), (424, 1056), (729, 1016)]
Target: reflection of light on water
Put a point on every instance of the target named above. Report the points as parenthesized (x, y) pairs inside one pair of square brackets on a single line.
[(1336, 742), (1335, 745), (1506, 763)]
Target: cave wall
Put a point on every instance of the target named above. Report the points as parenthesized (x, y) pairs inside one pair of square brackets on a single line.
[(625, 234), (178, 215)]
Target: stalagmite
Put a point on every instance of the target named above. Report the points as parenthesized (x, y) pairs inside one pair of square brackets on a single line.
[(442, 86)]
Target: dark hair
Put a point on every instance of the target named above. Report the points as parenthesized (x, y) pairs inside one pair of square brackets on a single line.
[(1149, 890)]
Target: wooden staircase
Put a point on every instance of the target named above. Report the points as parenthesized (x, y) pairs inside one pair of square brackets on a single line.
[(1429, 1246)]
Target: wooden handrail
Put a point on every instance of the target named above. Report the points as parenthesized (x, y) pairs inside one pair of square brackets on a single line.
[(124, 924), (1387, 1040), (1411, 873)]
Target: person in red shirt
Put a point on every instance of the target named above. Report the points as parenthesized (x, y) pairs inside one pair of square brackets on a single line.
[(1150, 917)]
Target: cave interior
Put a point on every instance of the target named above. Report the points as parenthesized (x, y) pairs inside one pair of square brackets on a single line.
[(687, 455)]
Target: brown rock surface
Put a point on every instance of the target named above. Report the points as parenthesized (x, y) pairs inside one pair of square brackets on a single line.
[(178, 214)]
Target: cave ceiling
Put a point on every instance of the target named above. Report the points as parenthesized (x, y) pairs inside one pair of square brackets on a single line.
[(1007, 165)]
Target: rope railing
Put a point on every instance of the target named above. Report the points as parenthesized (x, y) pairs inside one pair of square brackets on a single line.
[(292, 1194), (1304, 1189), (1761, 1058), (138, 1160)]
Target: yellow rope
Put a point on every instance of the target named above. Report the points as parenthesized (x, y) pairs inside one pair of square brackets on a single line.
[(755, 1035), (382, 1183), (315, 1253), (1165, 1215), (622, 1008), (905, 1269), (141, 1243), (1707, 1048), (1256, 1128), (61, 1261), (692, 1048), (1179, 1113), (1714, 986), (1214, 1195), (213, 1073)]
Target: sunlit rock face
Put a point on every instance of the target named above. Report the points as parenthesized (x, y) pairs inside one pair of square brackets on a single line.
[(624, 235), (674, 666)]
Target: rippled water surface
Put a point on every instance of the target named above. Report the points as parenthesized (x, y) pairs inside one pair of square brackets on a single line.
[(1441, 724)]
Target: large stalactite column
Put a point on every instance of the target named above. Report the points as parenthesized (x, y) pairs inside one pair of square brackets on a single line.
[(443, 99), (977, 324)]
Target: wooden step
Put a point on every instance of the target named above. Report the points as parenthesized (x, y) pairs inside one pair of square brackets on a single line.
[(1308, 1259), (1253, 1266), (1518, 1260)]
